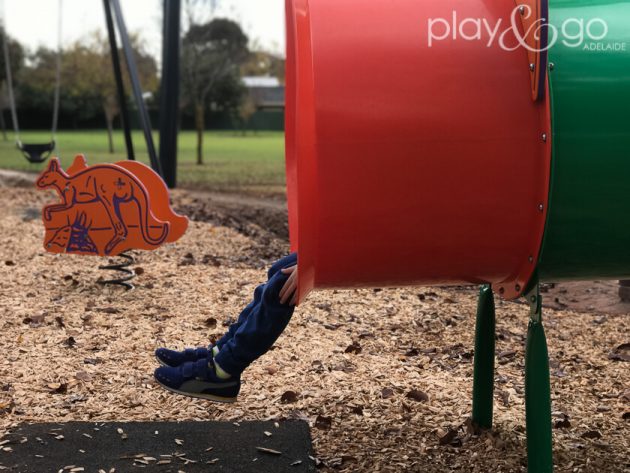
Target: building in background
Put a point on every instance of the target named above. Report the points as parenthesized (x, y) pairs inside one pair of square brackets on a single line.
[(265, 95)]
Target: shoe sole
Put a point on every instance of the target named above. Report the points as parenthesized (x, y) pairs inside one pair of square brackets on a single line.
[(207, 397), (162, 363)]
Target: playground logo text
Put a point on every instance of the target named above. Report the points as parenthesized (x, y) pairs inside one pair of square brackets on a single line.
[(589, 35)]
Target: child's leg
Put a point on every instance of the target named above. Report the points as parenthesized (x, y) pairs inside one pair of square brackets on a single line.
[(260, 328), (285, 262), (241, 318)]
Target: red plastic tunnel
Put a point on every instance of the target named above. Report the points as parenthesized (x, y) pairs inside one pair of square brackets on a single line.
[(410, 164)]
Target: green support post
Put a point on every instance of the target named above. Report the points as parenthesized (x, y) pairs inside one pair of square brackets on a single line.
[(483, 380), (537, 391)]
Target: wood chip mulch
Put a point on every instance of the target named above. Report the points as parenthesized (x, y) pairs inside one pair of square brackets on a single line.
[(383, 377)]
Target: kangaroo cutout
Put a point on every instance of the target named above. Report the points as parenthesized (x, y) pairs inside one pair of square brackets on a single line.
[(106, 209)]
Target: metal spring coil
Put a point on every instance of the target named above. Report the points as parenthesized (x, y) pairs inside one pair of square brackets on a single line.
[(122, 267)]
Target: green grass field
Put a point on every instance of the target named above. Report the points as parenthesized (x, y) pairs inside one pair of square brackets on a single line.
[(232, 162)]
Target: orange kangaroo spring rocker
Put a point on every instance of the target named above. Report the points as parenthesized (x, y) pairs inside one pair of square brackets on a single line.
[(107, 209)]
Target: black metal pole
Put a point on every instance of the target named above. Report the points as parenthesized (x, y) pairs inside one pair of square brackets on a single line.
[(135, 84), (169, 91), (120, 88)]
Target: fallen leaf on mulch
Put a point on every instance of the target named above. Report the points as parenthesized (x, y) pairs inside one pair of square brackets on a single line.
[(83, 376), (323, 422), (187, 260), (505, 398), (386, 393), (6, 406), (354, 348), (332, 326), (108, 310), (212, 260), (417, 395), (448, 437), (58, 388), (506, 357), (592, 434), (563, 422), (35, 320), (621, 353), (289, 397)]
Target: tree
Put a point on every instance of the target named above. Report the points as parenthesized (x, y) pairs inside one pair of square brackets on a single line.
[(88, 86), (212, 54), (93, 72), (246, 111)]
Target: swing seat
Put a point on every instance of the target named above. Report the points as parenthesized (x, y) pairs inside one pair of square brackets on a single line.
[(36, 153)]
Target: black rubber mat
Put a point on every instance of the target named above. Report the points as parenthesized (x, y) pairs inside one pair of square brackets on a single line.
[(187, 447)]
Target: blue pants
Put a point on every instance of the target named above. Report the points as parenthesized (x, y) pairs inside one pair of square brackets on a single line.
[(259, 325)]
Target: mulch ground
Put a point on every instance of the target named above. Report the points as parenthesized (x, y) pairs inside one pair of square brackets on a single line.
[(382, 376)]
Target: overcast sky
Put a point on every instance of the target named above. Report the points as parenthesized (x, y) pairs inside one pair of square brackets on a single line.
[(34, 22)]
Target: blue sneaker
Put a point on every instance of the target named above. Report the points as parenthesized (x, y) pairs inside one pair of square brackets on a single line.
[(175, 358), (198, 379)]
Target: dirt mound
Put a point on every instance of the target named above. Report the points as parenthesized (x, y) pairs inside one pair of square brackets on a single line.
[(263, 222)]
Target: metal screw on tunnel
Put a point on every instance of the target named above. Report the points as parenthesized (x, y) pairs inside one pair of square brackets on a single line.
[(541, 207), (531, 259), (521, 9), (532, 67), (552, 66), (544, 137), (518, 288)]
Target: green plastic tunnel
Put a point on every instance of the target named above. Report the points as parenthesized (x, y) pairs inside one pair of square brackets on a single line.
[(587, 234)]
